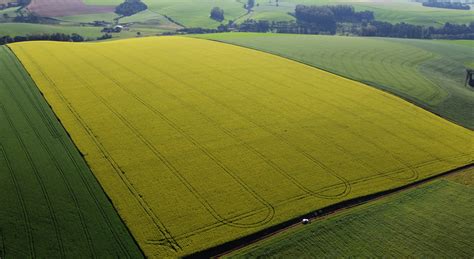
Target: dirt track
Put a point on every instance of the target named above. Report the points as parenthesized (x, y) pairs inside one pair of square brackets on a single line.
[(58, 8)]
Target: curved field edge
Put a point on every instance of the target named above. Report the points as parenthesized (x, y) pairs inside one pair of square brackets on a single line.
[(51, 203), (271, 242), (222, 102), (428, 73), (438, 211)]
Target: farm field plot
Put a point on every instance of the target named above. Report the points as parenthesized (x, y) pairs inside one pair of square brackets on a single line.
[(198, 142), (84, 18), (15, 29), (427, 72), (439, 213), (51, 205), (189, 13), (57, 8), (195, 13)]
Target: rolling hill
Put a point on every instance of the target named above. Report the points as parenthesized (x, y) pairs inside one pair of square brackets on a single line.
[(198, 142)]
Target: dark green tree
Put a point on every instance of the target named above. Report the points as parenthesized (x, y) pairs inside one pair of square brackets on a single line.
[(217, 14), (250, 4), (130, 7)]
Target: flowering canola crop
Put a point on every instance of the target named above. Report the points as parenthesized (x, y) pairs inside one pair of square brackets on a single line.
[(198, 142)]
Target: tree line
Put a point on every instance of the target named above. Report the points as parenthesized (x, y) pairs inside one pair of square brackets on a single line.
[(325, 18), (74, 37), (404, 30), (344, 20), (447, 5), (371, 29)]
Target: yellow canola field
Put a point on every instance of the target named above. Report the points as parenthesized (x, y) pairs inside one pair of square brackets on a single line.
[(198, 142)]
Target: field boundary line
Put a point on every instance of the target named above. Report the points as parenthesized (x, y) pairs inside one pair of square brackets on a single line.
[(94, 178), (34, 99), (53, 158), (143, 203), (228, 247)]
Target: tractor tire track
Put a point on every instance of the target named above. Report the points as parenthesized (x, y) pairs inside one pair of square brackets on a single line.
[(24, 210), (204, 202), (89, 188), (172, 244), (308, 156), (58, 167), (230, 134), (38, 177), (34, 98)]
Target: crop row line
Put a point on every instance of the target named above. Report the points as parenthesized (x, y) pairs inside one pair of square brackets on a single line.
[(53, 158), (143, 203), (38, 177), (89, 188), (24, 210)]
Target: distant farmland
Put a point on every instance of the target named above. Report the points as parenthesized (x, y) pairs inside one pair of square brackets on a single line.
[(429, 73), (51, 205), (198, 142), (195, 13)]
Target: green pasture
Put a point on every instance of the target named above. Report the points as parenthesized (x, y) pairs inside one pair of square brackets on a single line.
[(15, 29), (190, 13), (51, 205), (9, 12), (150, 20), (427, 72), (431, 221), (86, 18)]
